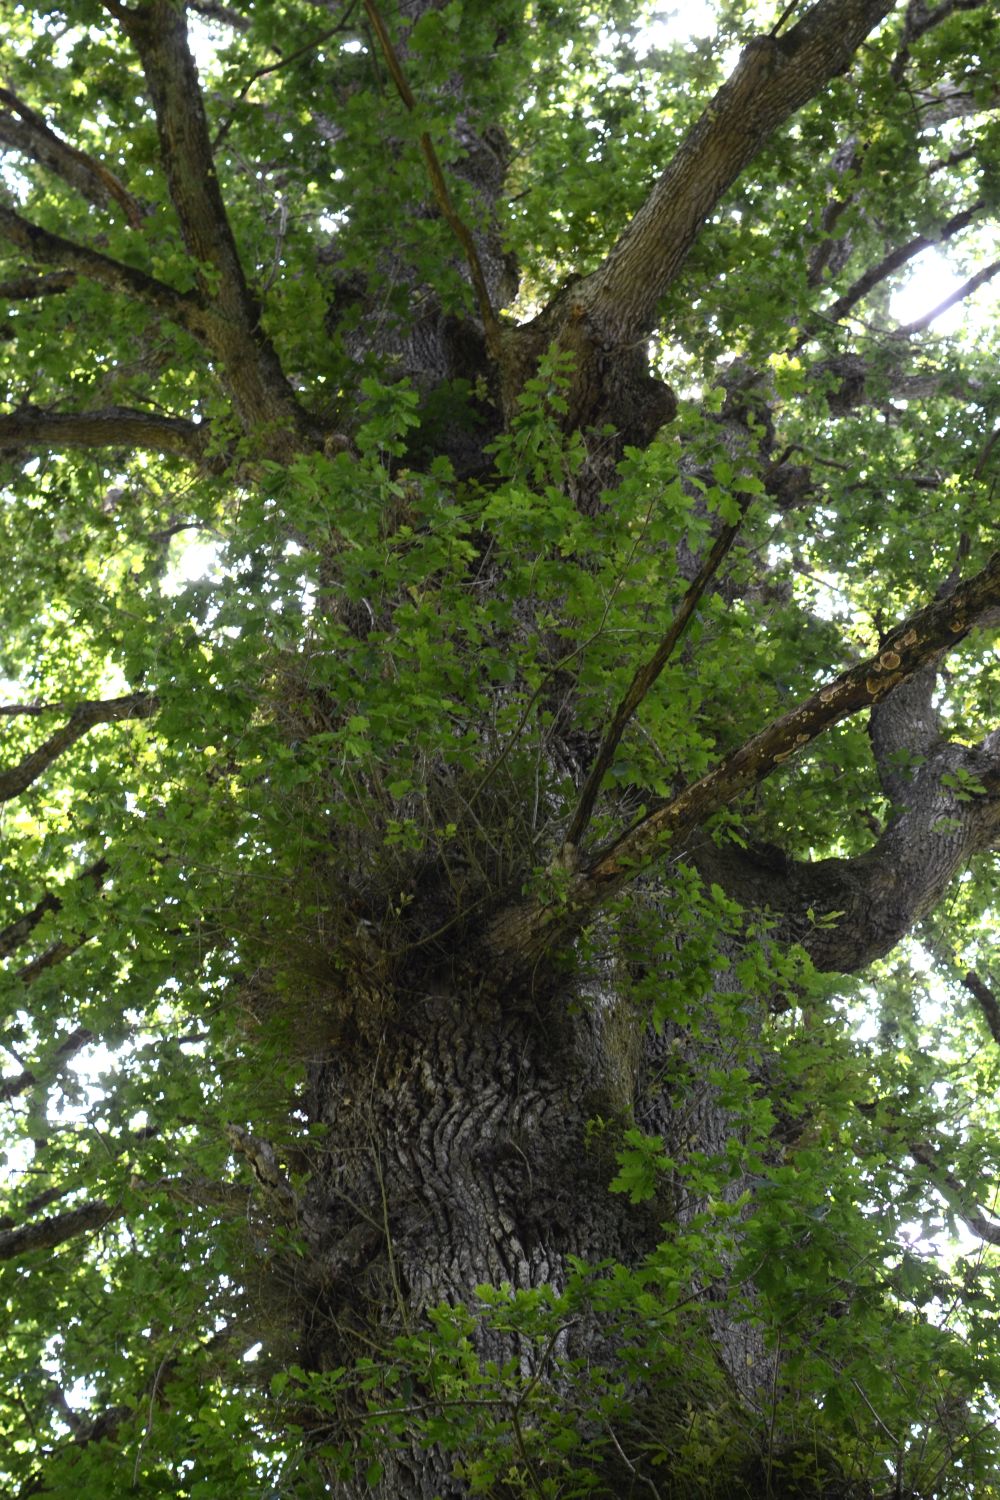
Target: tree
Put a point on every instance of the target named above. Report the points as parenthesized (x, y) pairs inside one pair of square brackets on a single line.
[(500, 771)]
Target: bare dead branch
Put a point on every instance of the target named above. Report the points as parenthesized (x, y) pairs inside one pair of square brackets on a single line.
[(18, 778), (26, 131)]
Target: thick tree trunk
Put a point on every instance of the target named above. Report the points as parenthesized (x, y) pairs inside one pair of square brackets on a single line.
[(460, 1155)]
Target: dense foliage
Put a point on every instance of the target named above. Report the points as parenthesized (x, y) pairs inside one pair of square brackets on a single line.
[(393, 1102)]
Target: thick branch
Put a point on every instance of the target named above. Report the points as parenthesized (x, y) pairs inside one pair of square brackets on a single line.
[(523, 935), (774, 77), (26, 131), (83, 718), (948, 101), (251, 371), (28, 286), (46, 1234), (45, 248), (114, 427), (904, 729), (852, 374), (919, 20)]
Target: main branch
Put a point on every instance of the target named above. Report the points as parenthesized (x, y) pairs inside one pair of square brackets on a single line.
[(264, 400), (775, 77), (48, 249), (521, 936), (112, 427)]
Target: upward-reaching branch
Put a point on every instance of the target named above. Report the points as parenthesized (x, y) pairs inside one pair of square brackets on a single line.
[(262, 396), (645, 678), (893, 261), (520, 936), (458, 227), (774, 77)]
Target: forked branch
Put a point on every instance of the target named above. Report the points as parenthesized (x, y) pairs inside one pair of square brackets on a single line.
[(521, 936)]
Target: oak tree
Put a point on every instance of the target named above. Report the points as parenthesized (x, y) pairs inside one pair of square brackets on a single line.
[(500, 771)]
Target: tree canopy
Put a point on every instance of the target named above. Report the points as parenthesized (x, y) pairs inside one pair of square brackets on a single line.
[(500, 749)]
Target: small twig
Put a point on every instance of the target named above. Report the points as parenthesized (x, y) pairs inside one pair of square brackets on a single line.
[(646, 676), (284, 62), (279, 245), (642, 1478), (563, 661), (983, 459), (460, 230)]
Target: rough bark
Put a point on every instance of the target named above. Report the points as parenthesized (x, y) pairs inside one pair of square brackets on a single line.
[(260, 391)]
